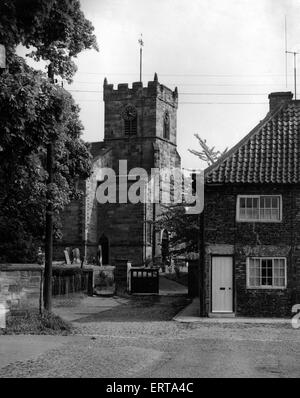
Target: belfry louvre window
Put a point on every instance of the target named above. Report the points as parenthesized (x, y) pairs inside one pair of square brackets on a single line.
[(131, 126), (259, 208), (266, 272), (166, 126)]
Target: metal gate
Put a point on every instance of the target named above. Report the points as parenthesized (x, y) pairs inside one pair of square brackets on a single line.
[(144, 280)]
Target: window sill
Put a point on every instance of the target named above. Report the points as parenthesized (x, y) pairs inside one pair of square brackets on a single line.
[(266, 288), (260, 221)]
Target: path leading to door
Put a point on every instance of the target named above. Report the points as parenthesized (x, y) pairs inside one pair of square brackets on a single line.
[(168, 287), (191, 314)]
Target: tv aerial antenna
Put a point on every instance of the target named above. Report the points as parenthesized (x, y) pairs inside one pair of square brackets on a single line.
[(294, 53)]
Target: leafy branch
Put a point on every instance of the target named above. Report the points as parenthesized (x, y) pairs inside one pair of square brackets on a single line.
[(208, 154)]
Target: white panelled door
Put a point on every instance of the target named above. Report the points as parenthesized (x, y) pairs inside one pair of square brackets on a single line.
[(222, 284)]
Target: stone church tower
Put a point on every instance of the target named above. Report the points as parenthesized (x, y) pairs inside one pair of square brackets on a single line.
[(140, 127)]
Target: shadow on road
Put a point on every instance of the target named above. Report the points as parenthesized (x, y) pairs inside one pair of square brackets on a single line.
[(141, 309)]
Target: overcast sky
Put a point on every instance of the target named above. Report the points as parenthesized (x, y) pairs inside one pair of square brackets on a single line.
[(205, 47)]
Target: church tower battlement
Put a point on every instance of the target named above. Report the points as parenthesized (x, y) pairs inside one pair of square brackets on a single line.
[(154, 89), (140, 112)]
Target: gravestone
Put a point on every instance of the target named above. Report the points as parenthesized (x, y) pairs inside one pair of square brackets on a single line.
[(76, 256), (67, 256)]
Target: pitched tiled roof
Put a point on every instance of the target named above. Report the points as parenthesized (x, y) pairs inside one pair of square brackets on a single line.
[(268, 154)]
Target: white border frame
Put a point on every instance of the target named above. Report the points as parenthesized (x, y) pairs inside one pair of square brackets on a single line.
[(257, 220), (266, 287)]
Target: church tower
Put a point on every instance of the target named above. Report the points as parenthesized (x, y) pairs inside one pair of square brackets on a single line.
[(137, 117), (140, 127)]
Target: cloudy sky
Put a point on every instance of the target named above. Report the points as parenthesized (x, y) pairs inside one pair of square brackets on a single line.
[(225, 56)]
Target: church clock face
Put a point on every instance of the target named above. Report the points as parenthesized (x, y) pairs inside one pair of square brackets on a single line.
[(129, 112)]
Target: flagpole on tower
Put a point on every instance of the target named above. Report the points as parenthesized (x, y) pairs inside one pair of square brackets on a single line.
[(141, 55)]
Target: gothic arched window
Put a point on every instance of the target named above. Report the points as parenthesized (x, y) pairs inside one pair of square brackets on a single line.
[(166, 133), (131, 127)]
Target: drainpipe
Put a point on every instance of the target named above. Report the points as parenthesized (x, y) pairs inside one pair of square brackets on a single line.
[(202, 265)]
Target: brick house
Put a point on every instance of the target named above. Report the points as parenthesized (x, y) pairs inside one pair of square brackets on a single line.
[(251, 247)]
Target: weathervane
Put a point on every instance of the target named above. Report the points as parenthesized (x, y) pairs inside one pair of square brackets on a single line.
[(141, 54)]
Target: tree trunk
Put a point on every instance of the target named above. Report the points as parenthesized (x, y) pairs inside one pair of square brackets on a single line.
[(49, 236)]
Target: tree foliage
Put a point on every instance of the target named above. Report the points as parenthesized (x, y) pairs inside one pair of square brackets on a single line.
[(57, 30), (184, 230), (206, 153), (34, 112)]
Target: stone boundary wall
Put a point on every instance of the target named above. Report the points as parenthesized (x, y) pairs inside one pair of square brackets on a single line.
[(21, 286)]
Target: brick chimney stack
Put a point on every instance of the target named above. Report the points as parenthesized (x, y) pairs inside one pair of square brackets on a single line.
[(278, 99)]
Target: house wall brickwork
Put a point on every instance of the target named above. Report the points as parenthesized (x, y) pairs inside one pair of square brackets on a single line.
[(225, 236)]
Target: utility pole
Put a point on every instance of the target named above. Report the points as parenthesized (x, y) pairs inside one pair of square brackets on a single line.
[(49, 221), (286, 45), (141, 55), (201, 263), (295, 70)]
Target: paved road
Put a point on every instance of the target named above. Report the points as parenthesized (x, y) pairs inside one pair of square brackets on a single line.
[(163, 349), (169, 287)]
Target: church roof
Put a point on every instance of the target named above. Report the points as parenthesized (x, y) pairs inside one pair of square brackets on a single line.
[(99, 148), (268, 154)]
